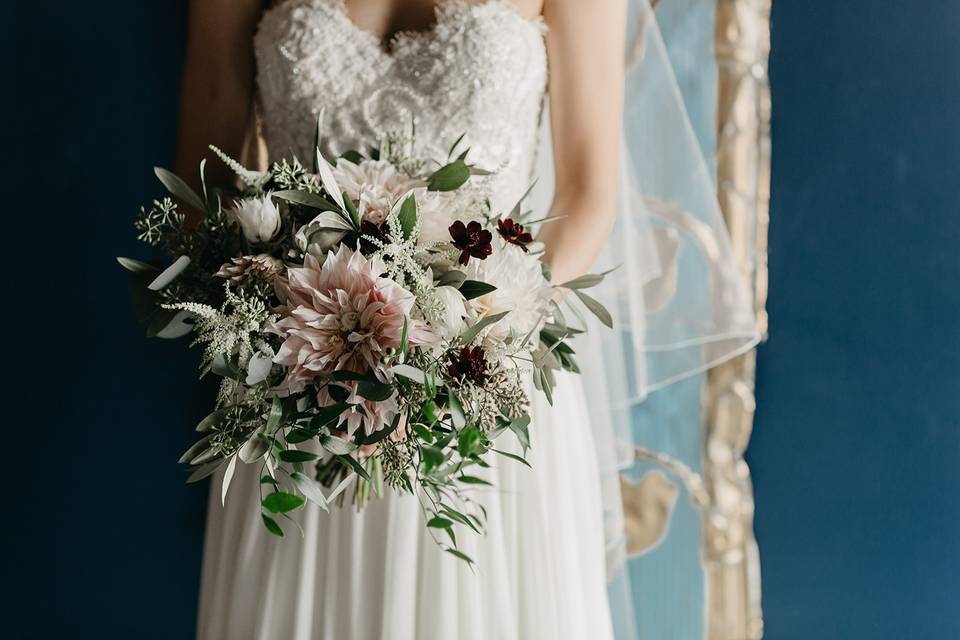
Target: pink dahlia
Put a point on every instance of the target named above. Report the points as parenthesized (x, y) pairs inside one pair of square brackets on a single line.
[(340, 316)]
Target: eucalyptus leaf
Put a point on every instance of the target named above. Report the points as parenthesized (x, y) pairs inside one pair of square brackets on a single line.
[(254, 448), (335, 445), (293, 455), (409, 372), (195, 449), (160, 320), (453, 278), (461, 555), (276, 414), (281, 502), (305, 199), (595, 308), (258, 368), (512, 456), (205, 470), (272, 525), (408, 216), (471, 289), (349, 462), (473, 331), (375, 391), (136, 266), (449, 177), (437, 522), (177, 327), (329, 182), (310, 489), (473, 480), (227, 478), (170, 274), (179, 189), (457, 414)]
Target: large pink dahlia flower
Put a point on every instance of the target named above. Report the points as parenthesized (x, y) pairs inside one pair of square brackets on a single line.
[(340, 316)]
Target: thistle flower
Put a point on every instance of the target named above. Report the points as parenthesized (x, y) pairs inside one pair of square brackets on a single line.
[(472, 240), (341, 315), (247, 270)]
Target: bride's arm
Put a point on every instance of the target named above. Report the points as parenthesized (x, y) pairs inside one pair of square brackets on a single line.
[(585, 45), (217, 92)]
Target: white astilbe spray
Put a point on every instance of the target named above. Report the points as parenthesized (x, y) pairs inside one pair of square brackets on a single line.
[(234, 329)]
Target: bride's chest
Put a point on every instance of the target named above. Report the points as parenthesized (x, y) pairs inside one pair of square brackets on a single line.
[(479, 69)]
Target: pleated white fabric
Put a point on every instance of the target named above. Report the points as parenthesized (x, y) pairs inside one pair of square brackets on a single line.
[(377, 574)]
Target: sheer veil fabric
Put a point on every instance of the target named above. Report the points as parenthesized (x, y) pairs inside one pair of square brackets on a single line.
[(679, 300), (679, 305)]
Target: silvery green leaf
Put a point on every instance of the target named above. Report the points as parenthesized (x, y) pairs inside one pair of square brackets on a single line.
[(178, 188), (208, 423), (160, 320), (457, 414), (411, 373), (329, 181), (306, 199), (276, 414), (520, 428), (227, 478), (310, 489), (449, 177), (221, 367), (254, 448), (203, 471), (177, 327), (197, 447), (336, 446), (258, 368), (452, 278), (170, 274), (595, 308), (583, 282), (473, 331), (517, 212), (340, 487), (136, 266)]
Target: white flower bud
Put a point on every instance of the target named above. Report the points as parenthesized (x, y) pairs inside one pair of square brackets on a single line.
[(259, 218)]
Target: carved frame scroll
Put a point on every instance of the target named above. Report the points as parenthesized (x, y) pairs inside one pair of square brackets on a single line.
[(731, 557)]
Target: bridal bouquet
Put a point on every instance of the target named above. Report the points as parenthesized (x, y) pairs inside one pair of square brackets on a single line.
[(373, 322)]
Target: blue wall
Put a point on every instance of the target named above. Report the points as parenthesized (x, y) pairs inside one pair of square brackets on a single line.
[(857, 444), (856, 451)]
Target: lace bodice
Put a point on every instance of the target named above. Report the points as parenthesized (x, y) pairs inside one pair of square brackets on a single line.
[(480, 71)]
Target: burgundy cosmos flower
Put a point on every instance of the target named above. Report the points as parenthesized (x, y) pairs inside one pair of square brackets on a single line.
[(514, 233), (470, 364), (472, 240)]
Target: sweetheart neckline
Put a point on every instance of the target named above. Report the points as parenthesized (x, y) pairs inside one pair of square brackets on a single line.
[(444, 10)]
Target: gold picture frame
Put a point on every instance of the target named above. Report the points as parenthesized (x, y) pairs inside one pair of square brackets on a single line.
[(730, 554)]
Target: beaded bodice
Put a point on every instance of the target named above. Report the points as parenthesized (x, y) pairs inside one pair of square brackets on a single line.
[(481, 71)]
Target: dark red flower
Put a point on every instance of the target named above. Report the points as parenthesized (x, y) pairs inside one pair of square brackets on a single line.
[(372, 230), (514, 233), (469, 364), (472, 240)]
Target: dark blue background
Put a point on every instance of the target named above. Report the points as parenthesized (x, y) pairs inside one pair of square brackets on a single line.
[(857, 443)]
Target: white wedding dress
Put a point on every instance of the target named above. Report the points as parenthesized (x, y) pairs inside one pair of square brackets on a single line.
[(377, 574)]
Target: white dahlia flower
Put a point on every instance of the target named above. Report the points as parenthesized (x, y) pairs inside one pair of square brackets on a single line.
[(521, 289)]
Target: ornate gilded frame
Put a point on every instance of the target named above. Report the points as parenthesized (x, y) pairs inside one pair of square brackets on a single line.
[(731, 558)]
